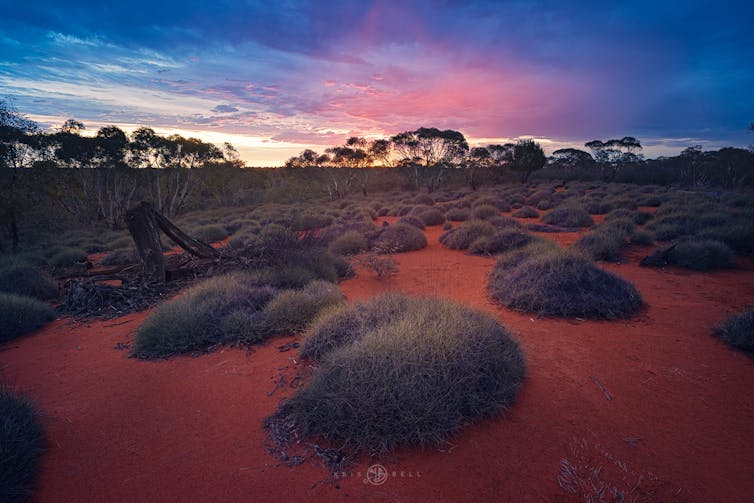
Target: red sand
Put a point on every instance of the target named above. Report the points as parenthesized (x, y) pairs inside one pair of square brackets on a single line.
[(679, 426)]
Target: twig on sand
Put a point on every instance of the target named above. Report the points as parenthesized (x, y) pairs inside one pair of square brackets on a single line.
[(601, 387)]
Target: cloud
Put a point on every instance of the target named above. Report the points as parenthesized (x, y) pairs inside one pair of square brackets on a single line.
[(296, 73), (223, 109)]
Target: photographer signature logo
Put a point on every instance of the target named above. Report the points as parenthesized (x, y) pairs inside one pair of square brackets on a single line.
[(376, 475)]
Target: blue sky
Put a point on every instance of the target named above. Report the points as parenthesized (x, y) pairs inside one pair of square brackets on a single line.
[(277, 77)]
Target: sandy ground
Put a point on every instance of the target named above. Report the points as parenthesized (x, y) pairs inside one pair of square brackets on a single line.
[(678, 427)]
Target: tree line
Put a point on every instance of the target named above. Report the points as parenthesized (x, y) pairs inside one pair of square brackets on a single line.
[(95, 178)]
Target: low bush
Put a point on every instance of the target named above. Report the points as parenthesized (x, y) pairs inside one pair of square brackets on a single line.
[(309, 221), (399, 370), (412, 220), (526, 212), (500, 204), (461, 237), (603, 243), (501, 241), (569, 216), (484, 212), (292, 310), (701, 255), (400, 238), (348, 243), (210, 233), (561, 283), (20, 315), (120, 257), (66, 257), (642, 238), (22, 444), (25, 279), (738, 331), (458, 214), (432, 216), (202, 316)]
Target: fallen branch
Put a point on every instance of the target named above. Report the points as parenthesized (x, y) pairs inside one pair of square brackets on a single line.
[(601, 387)]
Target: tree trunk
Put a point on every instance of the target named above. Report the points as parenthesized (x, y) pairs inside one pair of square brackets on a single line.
[(143, 227)]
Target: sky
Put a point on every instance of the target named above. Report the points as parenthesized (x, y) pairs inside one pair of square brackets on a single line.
[(276, 77)]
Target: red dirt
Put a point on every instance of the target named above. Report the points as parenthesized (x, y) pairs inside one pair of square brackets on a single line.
[(679, 426)]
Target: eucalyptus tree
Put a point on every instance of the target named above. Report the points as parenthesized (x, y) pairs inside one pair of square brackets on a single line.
[(19, 143), (528, 157)]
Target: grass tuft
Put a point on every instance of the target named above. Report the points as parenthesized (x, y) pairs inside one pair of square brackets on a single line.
[(22, 444), (561, 283), (398, 370), (20, 315)]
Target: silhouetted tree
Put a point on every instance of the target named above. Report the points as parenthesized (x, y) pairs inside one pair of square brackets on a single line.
[(427, 152), (612, 154), (528, 157), (19, 140)]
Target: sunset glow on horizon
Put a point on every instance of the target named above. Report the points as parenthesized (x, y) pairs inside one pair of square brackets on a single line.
[(276, 78)]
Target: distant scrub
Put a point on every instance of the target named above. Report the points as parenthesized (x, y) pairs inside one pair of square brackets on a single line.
[(432, 216), (412, 220), (461, 237), (25, 279), (22, 444), (20, 315), (458, 214), (399, 370), (120, 257), (484, 212), (210, 233), (738, 331), (526, 212), (501, 241), (66, 257), (560, 283), (349, 243), (400, 238), (572, 216)]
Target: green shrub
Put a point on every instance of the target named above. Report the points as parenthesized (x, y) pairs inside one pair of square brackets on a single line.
[(398, 370), (67, 257), (22, 444), (559, 283), (210, 233), (501, 241), (701, 255), (292, 310), (197, 319), (738, 331), (23, 279), (484, 212), (461, 237), (20, 315), (526, 212), (570, 216), (400, 238), (432, 216), (348, 243)]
